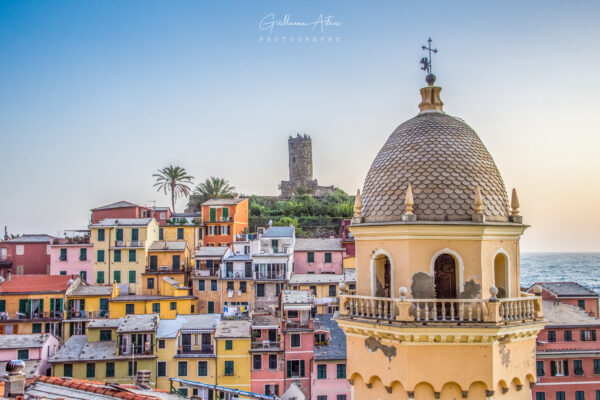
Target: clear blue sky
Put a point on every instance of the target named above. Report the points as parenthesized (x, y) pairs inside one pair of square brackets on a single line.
[(97, 95)]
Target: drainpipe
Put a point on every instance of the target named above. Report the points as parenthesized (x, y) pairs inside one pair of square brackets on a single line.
[(109, 232)]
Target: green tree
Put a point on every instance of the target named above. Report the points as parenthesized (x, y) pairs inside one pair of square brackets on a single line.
[(214, 188), (173, 179)]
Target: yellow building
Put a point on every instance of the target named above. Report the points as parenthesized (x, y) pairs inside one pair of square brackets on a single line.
[(324, 287), (186, 350), (184, 226), (113, 350), (233, 340), (438, 313), (121, 250), (166, 259)]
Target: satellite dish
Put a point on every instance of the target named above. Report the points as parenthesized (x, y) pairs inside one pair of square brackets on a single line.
[(1, 279)]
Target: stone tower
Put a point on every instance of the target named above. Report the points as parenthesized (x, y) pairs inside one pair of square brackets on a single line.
[(300, 154)]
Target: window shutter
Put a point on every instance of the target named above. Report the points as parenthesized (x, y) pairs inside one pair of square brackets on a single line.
[(594, 335), (225, 213), (553, 368), (23, 306), (60, 305), (71, 327), (41, 309), (566, 367), (301, 367), (289, 369), (82, 305)]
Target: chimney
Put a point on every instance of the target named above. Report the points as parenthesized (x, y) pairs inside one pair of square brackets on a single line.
[(6, 233), (14, 386), (8, 276), (143, 379)]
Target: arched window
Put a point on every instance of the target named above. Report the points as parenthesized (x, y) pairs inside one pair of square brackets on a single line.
[(501, 275), (445, 277), (382, 275)]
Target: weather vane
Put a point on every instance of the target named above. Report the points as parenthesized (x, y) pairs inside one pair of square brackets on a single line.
[(426, 63)]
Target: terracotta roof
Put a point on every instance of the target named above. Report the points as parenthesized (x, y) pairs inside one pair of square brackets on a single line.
[(36, 284)]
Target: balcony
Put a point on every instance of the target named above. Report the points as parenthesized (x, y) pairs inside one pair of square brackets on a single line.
[(197, 350), (139, 350), (5, 261), (82, 314), (8, 316), (235, 275), (207, 272), (129, 243), (164, 268), (266, 345), (442, 311), (270, 275), (298, 324)]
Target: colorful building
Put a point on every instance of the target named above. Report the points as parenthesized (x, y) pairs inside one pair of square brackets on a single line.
[(438, 312), (233, 339), (570, 293), (33, 349), (83, 303), (347, 238), (224, 219), (318, 256), (34, 303), (25, 255), (166, 259), (184, 226), (207, 285), (328, 378), (324, 288), (268, 357), (72, 259), (127, 210), (121, 249), (237, 284)]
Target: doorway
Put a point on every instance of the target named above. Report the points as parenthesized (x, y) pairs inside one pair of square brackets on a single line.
[(445, 277), (383, 276)]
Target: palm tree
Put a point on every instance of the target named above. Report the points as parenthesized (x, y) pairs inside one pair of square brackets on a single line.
[(174, 179), (214, 188)]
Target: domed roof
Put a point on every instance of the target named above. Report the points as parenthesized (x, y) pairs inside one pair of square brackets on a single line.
[(443, 160)]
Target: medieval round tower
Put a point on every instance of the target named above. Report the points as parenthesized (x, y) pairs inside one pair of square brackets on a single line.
[(300, 154)]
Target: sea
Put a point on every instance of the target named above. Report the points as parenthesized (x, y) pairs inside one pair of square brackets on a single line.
[(583, 268)]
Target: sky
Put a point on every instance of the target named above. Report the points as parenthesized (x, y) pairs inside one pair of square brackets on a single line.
[(95, 96)]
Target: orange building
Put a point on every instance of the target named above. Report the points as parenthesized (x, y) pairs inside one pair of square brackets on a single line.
[(224, 219)]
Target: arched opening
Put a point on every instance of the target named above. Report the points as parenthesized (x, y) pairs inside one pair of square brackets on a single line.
[(382, 271), (501, 275), (445, 277)]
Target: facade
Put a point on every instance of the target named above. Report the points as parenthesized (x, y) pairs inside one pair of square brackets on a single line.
[(268, 356), (121, 249), (207, 284), (347, 238), (324, 287), (34, 349), (329, 369), (224, 219), (438, 311), (570, 293), (25, 255), (72, 259), (127, 210), (237, 285), (233, 339), (166, 259), (184, 226), (83, 303), (318, 256)]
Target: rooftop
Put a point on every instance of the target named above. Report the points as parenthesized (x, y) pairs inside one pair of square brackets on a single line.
[(318, 245), (233, 329), (239, 257), (561, 289), (87, 290), (187, 215), (78, 348), (118, 204), (31, 367), (297, 297), (146, 297), (162, 245), (224, 202), (105, 323), (279, 231), (264, 320), (168, 328), (316, 278), (41, 238), (139, 323), (217, 251), (336, 349), (23, 341), (558, 313), (36, 284), (109, 222)]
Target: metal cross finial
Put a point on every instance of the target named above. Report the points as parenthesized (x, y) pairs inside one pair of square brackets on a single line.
[(426, 62)]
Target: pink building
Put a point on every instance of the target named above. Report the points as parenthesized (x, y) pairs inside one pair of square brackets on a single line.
[(329, 372), (125, 209), (25, 255), (347, 238), (35, 349), (298, 338), (568, 350), (267, 351), (72, 259), (570, 293), (318, 256)]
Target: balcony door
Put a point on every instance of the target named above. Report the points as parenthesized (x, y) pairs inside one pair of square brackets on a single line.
[(186, 342), (445, 277), (383, 277)]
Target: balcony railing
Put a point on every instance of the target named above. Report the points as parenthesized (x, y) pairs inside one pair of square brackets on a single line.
[(164, 268), (497, 311), (295, 324), (5, 260), (205, 349), (33, 315), (74, 314), (235, 275), (266, 344), (207, 272), (265, 276), (136, 349), (129, 243)]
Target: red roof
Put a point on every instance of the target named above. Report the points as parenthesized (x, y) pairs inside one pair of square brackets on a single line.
[(96, 387), (36, 283)]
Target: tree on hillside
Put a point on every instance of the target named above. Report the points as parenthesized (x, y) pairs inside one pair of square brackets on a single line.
[(214, 188), (173, 179)]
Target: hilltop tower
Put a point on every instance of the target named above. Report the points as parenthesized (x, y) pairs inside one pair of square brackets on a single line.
[(438, 311), (300, 159)]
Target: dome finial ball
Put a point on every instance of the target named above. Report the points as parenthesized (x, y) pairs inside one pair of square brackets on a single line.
[(430, 79)]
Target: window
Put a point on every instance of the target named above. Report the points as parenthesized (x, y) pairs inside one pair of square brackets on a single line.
[(23, 354), (568, 336), (150, 283), (213, 215), (559, 368), (540, 396), (83, 275), (161, 234), (100, 277), (272, 390), (90, 370), (292, 314), (100, 256), (540, 368), (173, 305), (161, 368), (578, 367), (328, 258), (321, 397), (63, 254), (313, 289), (272, 361), (322, 371), (119, 235), (132, 368), (341, 371), (105, 335), (2, 305), (117, 276), (552, 336), (257, 362), (68, 370), (161, 344), (202, 368), (201, 285), (182, 368), (101, 235), (295, 368), (183, 392), (579, 395), (230, 285), (225, 213), (560, 395), (129, 309), (295, 340), (588, 335), (110, 369), (131, 276), (132, 254), (243, 287), (310, 256), (260, 290), (581, 304), (597, 394), (36, 328), (332, 292), (213, 285), (340, 397), (597, 367), (228, 368), (156, 308), (62, 272), (228, 345), (179, 233), (117, 256)]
